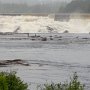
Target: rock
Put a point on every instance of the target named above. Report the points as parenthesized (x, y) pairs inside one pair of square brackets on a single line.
[(51, 38), (13, 62), (85, 38), (44, 39), (66, 31)]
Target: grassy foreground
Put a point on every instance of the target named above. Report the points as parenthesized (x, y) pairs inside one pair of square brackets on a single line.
[(74, 84), (9, 81)]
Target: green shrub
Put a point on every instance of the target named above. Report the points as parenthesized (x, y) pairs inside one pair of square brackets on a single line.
[(9, 81), (3, 83), (74, 84)]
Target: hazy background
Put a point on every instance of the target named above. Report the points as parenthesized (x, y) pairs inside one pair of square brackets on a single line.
[(32, 2), (44, 6)]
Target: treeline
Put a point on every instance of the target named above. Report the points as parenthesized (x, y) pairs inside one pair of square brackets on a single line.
[(77, 6), (13, 8), (24, 8)]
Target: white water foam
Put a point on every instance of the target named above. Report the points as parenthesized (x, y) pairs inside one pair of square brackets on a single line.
[(35, 24)]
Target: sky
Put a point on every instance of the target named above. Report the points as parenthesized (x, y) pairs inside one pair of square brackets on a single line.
[(29, 1)]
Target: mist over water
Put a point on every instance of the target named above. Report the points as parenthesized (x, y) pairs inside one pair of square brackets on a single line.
[(35, 24)]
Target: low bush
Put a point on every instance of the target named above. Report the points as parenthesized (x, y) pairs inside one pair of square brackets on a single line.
[(74, 84), (9, 81)]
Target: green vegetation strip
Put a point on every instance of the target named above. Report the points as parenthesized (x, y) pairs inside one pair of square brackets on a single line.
[(9, 81)]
